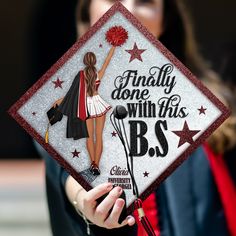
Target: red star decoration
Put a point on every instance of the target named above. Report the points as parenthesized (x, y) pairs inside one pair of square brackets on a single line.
[(185, 135), (135, 53), (34, 113), (113, 134), (202, 110), (145, 174), (58, 83), (100, 45), (75, 153)]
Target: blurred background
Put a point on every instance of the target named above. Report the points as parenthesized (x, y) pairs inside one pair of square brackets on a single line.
[(34, 35)]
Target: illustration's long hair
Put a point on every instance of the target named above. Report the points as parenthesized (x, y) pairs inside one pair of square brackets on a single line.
[(90, 72)]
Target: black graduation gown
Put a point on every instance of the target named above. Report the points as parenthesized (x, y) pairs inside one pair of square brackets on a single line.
[(76, 128)]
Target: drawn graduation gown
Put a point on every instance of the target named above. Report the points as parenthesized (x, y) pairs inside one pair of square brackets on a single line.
[(75, 108)]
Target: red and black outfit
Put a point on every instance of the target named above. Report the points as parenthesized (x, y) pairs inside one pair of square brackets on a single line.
[(77, 106)]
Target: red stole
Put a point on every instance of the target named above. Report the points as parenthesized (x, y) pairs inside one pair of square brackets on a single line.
[(225, 186), (150, 209)]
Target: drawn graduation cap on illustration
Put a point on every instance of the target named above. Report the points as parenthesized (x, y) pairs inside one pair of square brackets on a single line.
[(146, 110)]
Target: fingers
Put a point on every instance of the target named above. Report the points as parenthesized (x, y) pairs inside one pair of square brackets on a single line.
[(130, 220), (112, 220), (98, 191), (104, 207), (89, 202), (109, 201), (55, 104), (100, 214)]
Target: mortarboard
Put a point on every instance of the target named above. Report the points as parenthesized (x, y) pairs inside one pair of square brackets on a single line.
[(152, 111)]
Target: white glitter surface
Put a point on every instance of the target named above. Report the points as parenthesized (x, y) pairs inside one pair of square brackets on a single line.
[(113, 152)]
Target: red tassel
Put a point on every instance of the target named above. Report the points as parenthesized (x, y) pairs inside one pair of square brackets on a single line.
[(142, 217)]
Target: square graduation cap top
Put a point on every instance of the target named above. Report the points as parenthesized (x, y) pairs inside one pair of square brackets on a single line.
[(167, 112)]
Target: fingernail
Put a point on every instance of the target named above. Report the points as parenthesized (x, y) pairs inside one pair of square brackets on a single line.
[(109, 186), (119, 190), (120, 203), (130, 220)]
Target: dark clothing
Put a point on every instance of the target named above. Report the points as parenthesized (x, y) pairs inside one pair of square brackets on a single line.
[(188, 203), (76, 128)]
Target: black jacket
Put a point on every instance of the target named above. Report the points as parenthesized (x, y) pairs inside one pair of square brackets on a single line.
[(188, 203)]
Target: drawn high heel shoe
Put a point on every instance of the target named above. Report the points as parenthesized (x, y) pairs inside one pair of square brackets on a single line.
[(91, 166), (95, 170)]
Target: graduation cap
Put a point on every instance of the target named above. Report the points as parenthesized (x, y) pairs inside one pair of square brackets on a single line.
[(54, 115), (154, 112)]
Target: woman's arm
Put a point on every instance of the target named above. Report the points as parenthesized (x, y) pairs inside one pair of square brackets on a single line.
[(106, 63), (58, 102), (98, 214)]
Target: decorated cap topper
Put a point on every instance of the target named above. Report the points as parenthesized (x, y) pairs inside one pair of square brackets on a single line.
[(119, 107)]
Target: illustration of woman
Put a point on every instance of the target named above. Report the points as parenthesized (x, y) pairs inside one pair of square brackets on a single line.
[(85, 109)]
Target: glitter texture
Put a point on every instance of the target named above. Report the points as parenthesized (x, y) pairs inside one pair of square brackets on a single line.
[(193, 95)]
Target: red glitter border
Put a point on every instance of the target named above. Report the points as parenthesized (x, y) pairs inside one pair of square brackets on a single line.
[(115, 8)]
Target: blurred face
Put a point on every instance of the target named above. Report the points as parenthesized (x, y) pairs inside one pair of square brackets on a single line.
[(148, 12)]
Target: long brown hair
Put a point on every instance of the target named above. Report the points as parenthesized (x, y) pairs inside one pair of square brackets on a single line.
[(90, 72), (224, 138)]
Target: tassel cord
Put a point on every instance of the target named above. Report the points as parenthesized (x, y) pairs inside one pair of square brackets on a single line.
[(138, 202), (119, 132)]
